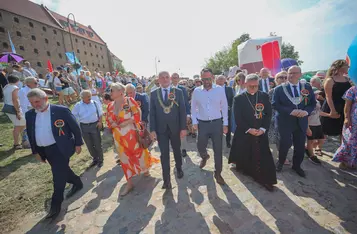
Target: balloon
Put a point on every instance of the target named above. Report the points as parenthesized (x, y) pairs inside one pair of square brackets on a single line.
[(286, 63), (271, 57), (352, 60)]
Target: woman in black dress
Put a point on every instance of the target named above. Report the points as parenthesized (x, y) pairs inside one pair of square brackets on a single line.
[(335, 86)]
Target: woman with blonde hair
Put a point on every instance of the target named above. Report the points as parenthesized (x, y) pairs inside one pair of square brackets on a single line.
[(238, 84), (335, 85), (123, 117)]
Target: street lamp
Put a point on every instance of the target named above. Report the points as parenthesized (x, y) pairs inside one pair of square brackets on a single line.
[(157, 60), (70, 36)]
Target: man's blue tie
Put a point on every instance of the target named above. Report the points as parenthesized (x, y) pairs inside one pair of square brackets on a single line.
[(166, 95), (266, 85), (296, 93)]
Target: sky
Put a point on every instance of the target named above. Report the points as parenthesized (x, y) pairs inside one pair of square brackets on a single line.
[(182, 34)]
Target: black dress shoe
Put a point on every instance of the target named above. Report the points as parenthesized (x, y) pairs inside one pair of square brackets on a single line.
[(100, 164), (179, 173), (74, 190), (279, 166), (184, 153), (299, 171), (269, 187), (229, 145), (53, 213), (167, 185), (93, 164)]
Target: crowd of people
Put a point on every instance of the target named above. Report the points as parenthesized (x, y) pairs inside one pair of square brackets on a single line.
[(258, 109)]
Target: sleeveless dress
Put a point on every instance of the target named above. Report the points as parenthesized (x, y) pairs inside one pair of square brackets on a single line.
[(333, 127)]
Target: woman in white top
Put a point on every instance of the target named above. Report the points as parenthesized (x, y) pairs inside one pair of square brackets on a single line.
[(95, 96), (11, 98)]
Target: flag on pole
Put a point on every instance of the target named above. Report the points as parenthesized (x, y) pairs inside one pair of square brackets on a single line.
[(11, 44), (49, 66)]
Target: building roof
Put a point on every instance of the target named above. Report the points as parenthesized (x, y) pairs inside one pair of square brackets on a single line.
[(29, 10), (114, 57), (83, 31), (43, 15)]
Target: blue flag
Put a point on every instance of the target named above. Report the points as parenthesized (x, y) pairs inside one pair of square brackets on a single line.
[(72, 58), (11, 44), (352, 60)]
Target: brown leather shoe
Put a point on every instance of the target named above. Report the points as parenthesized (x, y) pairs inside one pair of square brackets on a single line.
[(219, 179), (204, 161)]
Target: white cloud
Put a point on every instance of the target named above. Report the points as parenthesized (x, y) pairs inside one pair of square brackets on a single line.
[(184, 33)]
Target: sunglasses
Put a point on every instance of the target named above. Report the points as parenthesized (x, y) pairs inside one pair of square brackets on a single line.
[(282, 77), (206, 79)]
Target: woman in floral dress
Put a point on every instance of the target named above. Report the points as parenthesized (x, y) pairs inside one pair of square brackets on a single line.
[(346, 154), (123, 117)]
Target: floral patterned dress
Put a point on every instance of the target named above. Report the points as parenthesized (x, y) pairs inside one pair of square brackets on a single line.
[(347, 152), (134, 159)]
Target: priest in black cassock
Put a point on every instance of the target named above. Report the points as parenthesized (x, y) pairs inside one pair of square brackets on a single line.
[(250, 148)]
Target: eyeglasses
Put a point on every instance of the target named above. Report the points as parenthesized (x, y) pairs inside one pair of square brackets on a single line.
[(206, 79), (253, 86), (282, 77)]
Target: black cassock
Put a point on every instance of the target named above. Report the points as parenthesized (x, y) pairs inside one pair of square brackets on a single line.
[(252, 154)]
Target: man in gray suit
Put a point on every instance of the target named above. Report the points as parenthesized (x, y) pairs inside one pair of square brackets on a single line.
[(168, 123)]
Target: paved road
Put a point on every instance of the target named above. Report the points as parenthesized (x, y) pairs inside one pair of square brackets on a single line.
[(324, 202)]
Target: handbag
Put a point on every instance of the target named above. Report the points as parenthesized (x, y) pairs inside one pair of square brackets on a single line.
[(8, 109), (143, 135)]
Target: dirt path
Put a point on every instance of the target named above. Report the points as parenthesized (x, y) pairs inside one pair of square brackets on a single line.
[(324, 202)]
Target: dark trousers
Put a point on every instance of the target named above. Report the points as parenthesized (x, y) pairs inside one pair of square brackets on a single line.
[(93, 140), (229, 133), (163, 140), (61, 173), (296, 137), (213, 130)]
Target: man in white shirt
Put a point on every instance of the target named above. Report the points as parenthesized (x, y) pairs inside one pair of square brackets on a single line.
[(29, 70), (265, 81), (89, 115), (208, 107)]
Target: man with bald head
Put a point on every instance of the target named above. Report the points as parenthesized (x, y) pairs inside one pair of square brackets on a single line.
[(293, 101), (142, 99), (221, 81), (266, 82)]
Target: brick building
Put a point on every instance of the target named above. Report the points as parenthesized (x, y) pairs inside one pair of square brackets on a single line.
[(40, 34)]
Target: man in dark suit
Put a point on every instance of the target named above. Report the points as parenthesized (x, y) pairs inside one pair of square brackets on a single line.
[(142, 99), (168, 124), (175, 78), (294, 101), (221, 80), (54, 135), (265, 83)]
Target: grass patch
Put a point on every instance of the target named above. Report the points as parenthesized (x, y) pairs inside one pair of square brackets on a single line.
[(25, 183)]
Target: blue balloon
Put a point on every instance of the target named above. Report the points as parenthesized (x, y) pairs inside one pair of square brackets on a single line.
[(352, 60), (286, 63)]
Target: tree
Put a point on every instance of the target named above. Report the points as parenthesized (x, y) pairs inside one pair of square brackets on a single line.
[(227, 57), (288, 51)]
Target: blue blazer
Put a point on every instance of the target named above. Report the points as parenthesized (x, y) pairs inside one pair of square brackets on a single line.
[(66, 143), (185, 98), (143, 102), (284, 107)]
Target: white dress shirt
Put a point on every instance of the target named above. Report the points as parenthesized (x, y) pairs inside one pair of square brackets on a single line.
[(24, 101), (265, 81), (43, 128), (163, 93), (209, 104), (292, 88), (87, 113)]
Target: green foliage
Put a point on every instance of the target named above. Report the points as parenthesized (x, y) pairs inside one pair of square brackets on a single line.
[(288, 51)]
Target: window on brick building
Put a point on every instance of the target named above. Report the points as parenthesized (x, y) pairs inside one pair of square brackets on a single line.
[(18, 34), (97, 56), (22, 48), (39, 64), (16, 20), (98, 65), (103, 66), (91, 54), (46, 40), (90, 44), (36, 51), (48, 53), (33, 37), (60, 55), (44, 28), (5, 45), (87, 63), (100, 48), (31, 24), (78, 51), (95, 46), (2, 29), (0, 16), (85, 52), (102, 57), (58, 43), (84, 43), (93, 64), (76, 40), (54, 31)]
